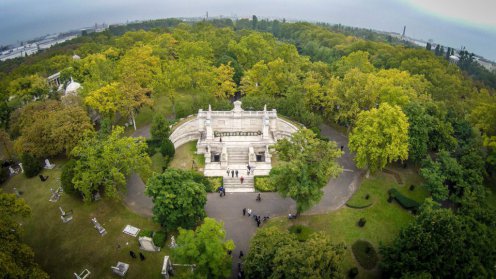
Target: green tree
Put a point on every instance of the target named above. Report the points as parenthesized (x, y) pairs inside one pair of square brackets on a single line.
[(418, 131), (49, 128), (442, 243), (160, 129), (225, 85), (355, 60), (28, 87), (17, 258), (31, 165), (380, 137), (277, 254), (206, 248), (178, 199), (434, 179), (167, 149), (103, 164), (308, 164)]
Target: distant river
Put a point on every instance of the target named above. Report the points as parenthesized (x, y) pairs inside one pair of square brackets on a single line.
[(26, 19)]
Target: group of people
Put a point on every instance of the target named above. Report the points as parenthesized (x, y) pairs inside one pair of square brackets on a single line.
[(258, 218)]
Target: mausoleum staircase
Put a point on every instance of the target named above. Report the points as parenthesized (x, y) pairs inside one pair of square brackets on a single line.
[(237, 156), (234, 185)]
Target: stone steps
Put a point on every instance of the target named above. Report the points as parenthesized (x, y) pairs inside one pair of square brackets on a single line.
[(234, 185)]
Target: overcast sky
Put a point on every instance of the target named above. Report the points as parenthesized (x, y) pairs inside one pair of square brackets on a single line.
[(455, 22)]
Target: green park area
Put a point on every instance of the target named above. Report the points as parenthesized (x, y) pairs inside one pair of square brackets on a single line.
[(384, 219)]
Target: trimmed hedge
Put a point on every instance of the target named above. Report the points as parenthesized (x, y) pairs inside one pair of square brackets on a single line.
[(214, 182), (262, 184), (359, 202), (405, 202), (146, 233), (365, 254)]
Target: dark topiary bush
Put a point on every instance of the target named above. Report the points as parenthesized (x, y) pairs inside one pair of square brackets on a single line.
[(66, 177), (365, 254), (362, 222), (31, 165), (390, 199), (159, 238), (405, 202), (367, 196), (167, 149), (353, 272), (412, 187), (4, 174)]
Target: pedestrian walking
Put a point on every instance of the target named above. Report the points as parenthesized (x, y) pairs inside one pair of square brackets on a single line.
[(244, 211), (241, 254), (248, 211), (220, 139), (241, 179), (342, 146), (232, 173), (259, 198), (132, 254), (142, 257), (227, 172), (223, 191), (236, 173), (258, 223)]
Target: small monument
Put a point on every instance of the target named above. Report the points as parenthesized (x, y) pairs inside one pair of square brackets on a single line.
[(65, 216), (173, 243), (55, 195), (20, 166), (12, 171), (130, 230), (167, 267), (146, 243), (48, 165), (101, 230), (121, 269), (83, 275)]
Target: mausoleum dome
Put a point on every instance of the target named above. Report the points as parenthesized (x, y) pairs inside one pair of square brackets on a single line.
[(72, 87)]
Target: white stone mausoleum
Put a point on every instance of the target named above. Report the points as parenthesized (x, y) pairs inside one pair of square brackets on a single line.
[(234, 140)]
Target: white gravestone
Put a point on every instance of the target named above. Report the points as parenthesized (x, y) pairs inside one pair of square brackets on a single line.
[(48, 165), (146, 243)]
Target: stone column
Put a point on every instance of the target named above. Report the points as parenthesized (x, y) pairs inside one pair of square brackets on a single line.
[(223, 158)]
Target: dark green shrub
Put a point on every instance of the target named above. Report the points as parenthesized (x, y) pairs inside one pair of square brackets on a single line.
[(4, 174), (152, 146), (66, 177), (390, 199), (31, 165), (214, 182), (146, 233), (160, 129), (405, 202), (262, 184), (167, 149), (362, 222), (159, 238), (412, 187), (367, 196), (353, 272), (365, 254), (302, 232)]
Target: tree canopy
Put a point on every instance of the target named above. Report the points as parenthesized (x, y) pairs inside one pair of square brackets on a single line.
[(206, 248), (308, 164), (102, 165), (179, 198)]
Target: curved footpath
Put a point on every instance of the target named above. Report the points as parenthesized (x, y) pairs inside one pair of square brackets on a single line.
[(228, 209)]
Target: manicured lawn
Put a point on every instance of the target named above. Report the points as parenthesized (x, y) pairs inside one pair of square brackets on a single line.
[(384, 220), (62, 249), (185, 155)]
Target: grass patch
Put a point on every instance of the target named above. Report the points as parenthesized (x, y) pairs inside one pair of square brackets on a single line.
[(384, 220), (360, 200), (365, 254), (262, 184), (158, 162), (62, 249), (302, 232), (185, 156)]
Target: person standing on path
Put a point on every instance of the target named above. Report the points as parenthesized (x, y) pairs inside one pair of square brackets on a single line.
[(244, 211), (232, 173), (248, 211), (259, 198), (227, 172), (241, 254), (236, 173), (241, 179)]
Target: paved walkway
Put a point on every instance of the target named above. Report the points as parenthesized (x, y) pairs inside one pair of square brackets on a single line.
[(228, 209)]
